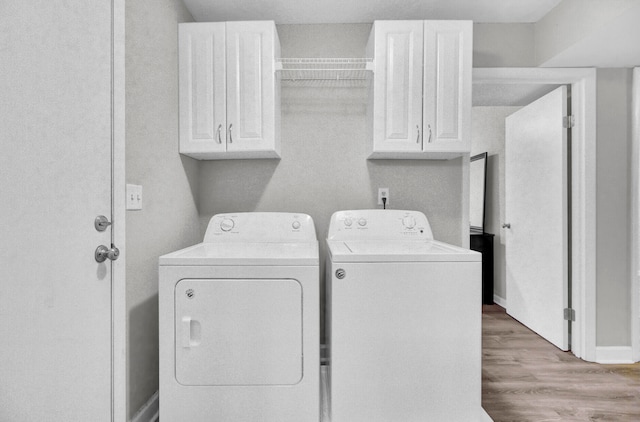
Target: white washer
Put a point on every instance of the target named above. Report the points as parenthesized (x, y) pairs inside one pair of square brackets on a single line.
[(239, 322), (404, 321)]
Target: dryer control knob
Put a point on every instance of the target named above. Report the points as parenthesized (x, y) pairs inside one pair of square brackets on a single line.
[(348, 221), (295, 225), (227, 224), (409, 222), (362, 222)]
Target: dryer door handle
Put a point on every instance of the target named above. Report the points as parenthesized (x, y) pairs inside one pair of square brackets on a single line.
[(186, 332), (190, 332)]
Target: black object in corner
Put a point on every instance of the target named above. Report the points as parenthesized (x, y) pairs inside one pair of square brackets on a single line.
[(483, 243)]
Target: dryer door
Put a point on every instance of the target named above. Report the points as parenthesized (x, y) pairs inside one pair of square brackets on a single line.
[(238, 331)]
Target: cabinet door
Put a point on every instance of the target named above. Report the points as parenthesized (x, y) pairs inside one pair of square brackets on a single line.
[(202, 88), (397, 90), (447, 85), (251, 93)]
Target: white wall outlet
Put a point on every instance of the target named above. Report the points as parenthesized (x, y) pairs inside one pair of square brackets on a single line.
[(383, 193), (134, 197)]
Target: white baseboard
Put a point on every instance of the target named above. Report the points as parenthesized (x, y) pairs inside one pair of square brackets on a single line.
[(149, 411), (614, 354), (500, 301)]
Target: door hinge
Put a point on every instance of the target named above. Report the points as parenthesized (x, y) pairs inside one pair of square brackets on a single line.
[(569, 314), (568, 122)]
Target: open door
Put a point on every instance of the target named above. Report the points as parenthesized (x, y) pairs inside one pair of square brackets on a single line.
[(536, 229)]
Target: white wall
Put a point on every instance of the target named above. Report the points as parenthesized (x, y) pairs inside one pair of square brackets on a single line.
[(169, 218), (572, 21), (503, 45), (488, 135), (613, 207), (324, 167)]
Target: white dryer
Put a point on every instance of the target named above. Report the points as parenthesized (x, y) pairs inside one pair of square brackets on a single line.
[(403, 321), (239, 322)]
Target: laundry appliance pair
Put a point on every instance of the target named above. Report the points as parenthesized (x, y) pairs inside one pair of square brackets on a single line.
[(240, 322)]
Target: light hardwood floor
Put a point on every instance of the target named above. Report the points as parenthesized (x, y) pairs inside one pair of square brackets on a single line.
[(525, 378)]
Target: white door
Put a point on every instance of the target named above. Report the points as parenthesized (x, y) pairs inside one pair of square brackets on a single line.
[(251, 92), (536, 195), (447, 85), (203, 86), (397, 92), (55, 129)]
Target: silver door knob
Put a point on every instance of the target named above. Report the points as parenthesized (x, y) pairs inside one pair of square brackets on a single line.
[(506, 226), (103, 253)]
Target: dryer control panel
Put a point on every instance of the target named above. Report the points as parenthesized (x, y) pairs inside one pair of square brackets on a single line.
[(260, 227), (379, 225)]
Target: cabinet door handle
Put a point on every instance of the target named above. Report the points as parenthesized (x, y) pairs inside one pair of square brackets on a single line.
[(230, 134), (418, 137), (219, 129), (429, 141)]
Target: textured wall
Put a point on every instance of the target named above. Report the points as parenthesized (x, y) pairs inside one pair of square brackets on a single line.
[(169, 218), (488, 135), (613, 204), (324, 167), (573, 20), (503, 45)]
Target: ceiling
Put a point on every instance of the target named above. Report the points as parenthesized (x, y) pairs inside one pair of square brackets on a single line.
[(366, 11)]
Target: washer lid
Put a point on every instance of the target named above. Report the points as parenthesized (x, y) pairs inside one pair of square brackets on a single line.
[(245, 253), (398, 251)]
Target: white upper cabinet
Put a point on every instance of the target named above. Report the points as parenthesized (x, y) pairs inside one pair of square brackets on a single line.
[(229, 93), (396, 101), (447, 86), (421, 101), (203, 92)]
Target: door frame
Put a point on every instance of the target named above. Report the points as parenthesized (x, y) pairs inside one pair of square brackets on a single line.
[(583, 188), (118, 274), (635, 216)]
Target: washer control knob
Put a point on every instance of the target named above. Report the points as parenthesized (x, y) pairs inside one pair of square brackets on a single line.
[(362, 222), (348, 221), (226, 224), (295, 225), (409, 222)]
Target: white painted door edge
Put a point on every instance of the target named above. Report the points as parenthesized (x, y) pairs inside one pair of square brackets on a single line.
[(118, 285), (583, 104), (635, 217)]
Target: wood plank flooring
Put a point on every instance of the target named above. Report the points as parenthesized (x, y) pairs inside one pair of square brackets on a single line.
[(525, 378)]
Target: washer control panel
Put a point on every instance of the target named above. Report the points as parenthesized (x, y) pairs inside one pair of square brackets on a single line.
[(227, 224), (260, 227), (379, 224)]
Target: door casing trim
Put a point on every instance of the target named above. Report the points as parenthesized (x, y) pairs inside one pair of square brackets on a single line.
[(583, 188)]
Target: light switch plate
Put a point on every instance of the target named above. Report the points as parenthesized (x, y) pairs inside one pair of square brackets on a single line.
[(134, 197)]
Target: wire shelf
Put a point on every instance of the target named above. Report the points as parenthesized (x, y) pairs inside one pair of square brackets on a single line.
[(324, 71)]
